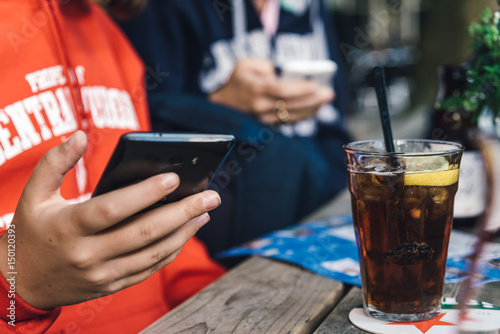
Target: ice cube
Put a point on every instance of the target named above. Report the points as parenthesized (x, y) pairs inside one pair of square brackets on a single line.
[(439, 194)]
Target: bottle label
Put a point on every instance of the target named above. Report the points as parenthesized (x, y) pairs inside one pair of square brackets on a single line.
[(470, 200)]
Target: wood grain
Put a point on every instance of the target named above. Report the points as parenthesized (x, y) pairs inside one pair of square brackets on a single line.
[(338, 320), (267, 296), (259, 296)]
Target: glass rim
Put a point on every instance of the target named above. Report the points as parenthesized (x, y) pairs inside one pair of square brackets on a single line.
[(454, 148)]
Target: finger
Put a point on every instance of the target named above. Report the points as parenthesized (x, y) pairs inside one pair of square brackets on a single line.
[(270, 118), (301, 114), (156, 253), (297, 109), (159, 223), (294, 95), (129, 280), (279, 114), (263, 104), (289, 89), (49, 173), (319, 97), (104, 211), (280, 117)]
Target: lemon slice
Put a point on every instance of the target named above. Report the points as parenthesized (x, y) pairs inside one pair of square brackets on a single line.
[(429, 171), (420, 164), (432, 179)]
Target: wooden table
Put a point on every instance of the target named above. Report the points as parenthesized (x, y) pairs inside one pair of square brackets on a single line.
[(262, 295)]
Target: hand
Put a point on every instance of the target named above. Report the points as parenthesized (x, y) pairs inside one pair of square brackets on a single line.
[(301, 99), (69, 253), (254, 88), (246, 89)]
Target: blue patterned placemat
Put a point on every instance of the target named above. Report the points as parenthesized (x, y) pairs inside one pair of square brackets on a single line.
[(328, 247)]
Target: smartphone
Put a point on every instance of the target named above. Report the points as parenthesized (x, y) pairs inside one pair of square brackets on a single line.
[(196, 158), (319, 70)]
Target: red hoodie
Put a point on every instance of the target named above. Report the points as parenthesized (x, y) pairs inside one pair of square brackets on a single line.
[(66, 66)]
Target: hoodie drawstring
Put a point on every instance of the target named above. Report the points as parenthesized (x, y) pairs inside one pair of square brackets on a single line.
[(52, 7), (54, 14)]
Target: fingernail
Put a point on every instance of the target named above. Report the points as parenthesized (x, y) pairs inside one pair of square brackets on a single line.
[(170, 180), (202, 220), (211, 201), (68, 141)]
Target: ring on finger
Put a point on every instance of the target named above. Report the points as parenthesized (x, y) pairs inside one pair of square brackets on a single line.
[(281, 111)]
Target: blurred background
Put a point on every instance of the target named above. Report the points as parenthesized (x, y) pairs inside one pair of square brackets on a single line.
[(411, 39)]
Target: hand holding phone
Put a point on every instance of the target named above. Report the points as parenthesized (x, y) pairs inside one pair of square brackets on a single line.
[(89, 250)]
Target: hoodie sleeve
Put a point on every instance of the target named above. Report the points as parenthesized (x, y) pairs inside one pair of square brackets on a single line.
[(17, 316)]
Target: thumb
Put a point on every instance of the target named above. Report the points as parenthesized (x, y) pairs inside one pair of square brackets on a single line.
[(49, 173)]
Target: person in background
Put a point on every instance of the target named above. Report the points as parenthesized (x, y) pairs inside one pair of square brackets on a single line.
[(213, 66), (71, 86)]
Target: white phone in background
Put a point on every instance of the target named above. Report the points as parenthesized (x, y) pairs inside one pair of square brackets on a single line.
[(319, 70)]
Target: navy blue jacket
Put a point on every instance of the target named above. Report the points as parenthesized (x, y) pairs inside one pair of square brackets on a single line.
[(270, 180)]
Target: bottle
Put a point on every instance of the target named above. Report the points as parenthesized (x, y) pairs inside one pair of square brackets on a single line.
[(456, 124)]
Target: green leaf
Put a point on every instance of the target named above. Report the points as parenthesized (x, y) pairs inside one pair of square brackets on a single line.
[(492, 69), (483, 76), (452, 103)]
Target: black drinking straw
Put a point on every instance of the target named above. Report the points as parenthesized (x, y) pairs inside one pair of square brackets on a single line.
[(379, 78), (408, 251)]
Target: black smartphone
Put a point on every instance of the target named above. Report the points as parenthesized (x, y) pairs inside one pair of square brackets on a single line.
[(196, 158)]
